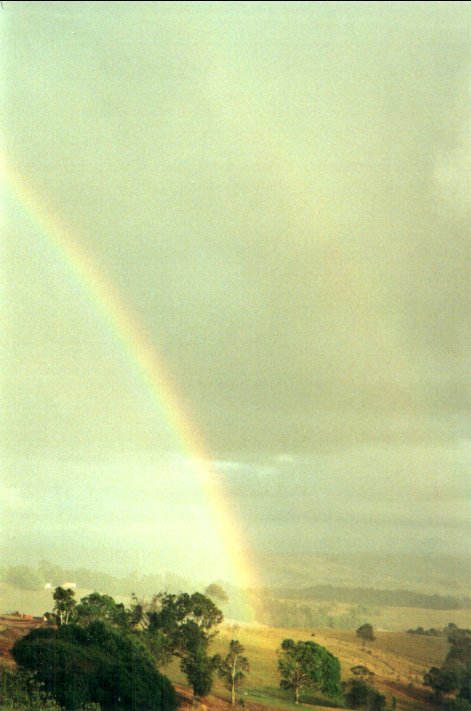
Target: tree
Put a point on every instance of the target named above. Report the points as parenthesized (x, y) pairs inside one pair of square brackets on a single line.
[(199, 669), (170, 611), (458, 704), (233, 667), (366, 634), (216, 592), (361, 672), (361, 694), (308, 664), (183, 626), (102, 608), (376, 701), (82, 665), (442, 681), (20, 690), (460, 646), (356, 694), (465, 688), (455, 673), (64, 605), (185, 620)]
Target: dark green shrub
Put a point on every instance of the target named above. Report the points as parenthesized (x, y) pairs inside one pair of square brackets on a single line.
[(79, 665)]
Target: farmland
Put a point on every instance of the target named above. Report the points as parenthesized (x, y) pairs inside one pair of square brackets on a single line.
[(397, 659)]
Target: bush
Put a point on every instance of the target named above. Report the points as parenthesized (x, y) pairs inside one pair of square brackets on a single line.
[(357, 693), (360, 694), (82, 665), (457, 705), (20, 690), (199, 670)]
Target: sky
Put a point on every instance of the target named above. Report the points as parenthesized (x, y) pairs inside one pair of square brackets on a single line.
[(277, 194)]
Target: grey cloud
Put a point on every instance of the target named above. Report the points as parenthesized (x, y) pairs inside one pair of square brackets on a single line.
[(277, 193)]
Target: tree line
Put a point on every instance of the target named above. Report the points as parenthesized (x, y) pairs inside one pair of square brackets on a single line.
[(97, 654), (374, 596), (292, 613), (451, 683)]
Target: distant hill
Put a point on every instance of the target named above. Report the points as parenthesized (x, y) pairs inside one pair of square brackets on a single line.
[(420, 573), (373, 596), (45, 573)]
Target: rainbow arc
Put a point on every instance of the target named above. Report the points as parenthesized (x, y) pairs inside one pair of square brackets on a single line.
[(144, 359)]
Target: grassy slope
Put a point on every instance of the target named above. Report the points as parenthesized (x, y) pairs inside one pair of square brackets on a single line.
[(392, 618), (404, 618), (397, 659)]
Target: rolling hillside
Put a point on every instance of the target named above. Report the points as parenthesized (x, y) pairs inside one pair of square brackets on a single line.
[(398, 661)]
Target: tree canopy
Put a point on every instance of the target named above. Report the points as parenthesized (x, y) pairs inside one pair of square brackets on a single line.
[(307, 664), (199, 668), (455, 672), (101, 608), (360, 693), (233, 667), (365, 633), (180, 616), (21, 691), (216, 592), (183, 625), (78, 665), (169, 625), (64, 605)]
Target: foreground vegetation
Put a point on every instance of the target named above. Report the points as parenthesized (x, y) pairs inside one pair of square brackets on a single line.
[(101, 654)]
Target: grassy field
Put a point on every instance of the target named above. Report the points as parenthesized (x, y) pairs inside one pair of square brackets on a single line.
[(346, 615), (404, 618), (398, 661)]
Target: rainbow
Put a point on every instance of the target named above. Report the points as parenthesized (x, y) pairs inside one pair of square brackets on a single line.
[(143, 357)]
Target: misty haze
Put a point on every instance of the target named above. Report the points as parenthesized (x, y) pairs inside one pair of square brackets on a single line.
[(235, 317)]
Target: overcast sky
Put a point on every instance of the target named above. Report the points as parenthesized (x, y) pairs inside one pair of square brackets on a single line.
[(280, 194)]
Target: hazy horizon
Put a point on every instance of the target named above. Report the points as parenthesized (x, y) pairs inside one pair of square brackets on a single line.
[(278, 194)]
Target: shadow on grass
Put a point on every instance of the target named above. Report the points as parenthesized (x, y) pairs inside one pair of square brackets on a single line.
[(314, 700), (275, 696)]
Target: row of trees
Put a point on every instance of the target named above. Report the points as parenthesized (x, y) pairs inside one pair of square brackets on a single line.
[(434, 632), (374, 597), (302, 615), (454, 676), (100, 652)]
